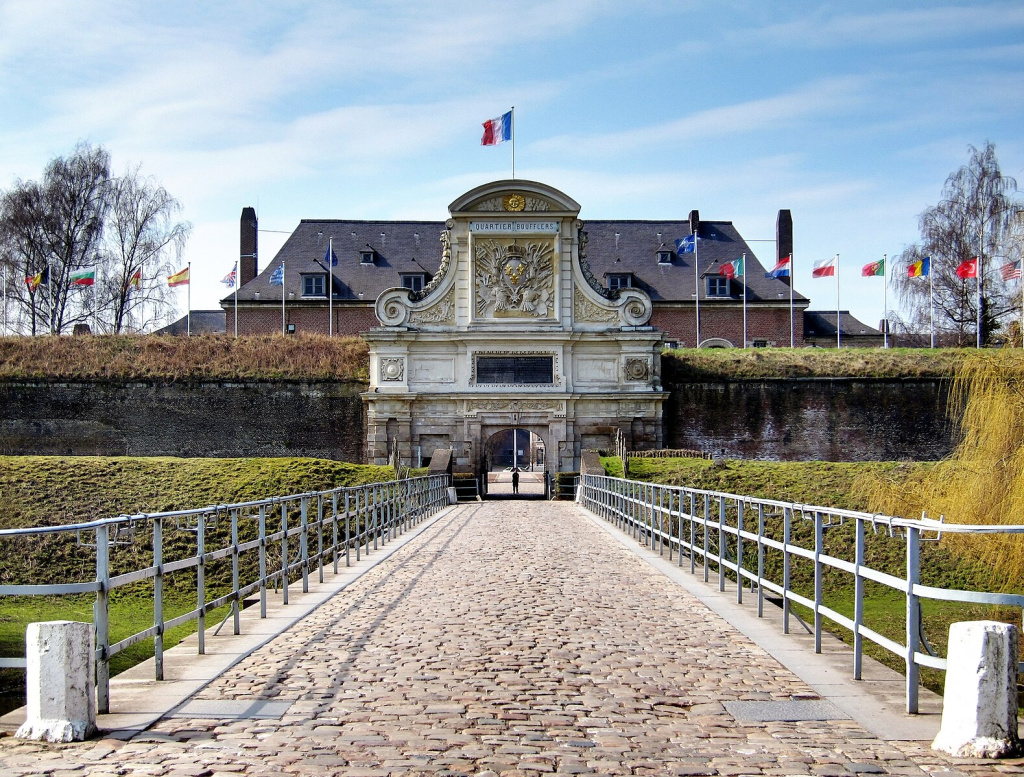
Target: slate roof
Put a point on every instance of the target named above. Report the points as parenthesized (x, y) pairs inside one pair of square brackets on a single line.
[(613, 247), (204, 322), (822, 323)]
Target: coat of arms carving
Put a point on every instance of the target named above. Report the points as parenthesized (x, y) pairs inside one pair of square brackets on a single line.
[(515, 278)]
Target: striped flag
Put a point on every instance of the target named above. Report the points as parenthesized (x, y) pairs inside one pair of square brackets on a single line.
[(872, 269), (781, 268), (824, 268), (179, 278), (497, 130), (135, 282), (84, 277), (922, 268), (733, 269), (1010, 270)]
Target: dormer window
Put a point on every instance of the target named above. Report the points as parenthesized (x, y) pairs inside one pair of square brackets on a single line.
[(367, 256), (314, 285), (664, 256), (620, 281), (413, 281), (718, 286)]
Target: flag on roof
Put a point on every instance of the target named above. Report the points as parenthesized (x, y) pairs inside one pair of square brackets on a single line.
[(229, 279), (330, 257), (135, 281), (781, 268), (968, 269), (687, 245), (1010, 270), (41, 278), (179, 278), (922, 268), (733, 269), (497, 130), (277, 277), (824, 268), (872, 269), (84, 277)]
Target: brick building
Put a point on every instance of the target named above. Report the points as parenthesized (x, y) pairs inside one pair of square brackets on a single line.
[(688, 289)]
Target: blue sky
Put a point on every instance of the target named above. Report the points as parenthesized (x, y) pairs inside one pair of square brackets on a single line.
[(851, 115)]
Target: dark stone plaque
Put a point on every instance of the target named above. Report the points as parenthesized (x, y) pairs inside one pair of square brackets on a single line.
[(515, 369)]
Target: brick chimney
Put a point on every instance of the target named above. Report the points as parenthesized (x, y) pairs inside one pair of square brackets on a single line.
[(247, 267), (694, 222), (784, 235)]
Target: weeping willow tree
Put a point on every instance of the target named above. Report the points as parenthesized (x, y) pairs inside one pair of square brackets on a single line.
[(982, 481)]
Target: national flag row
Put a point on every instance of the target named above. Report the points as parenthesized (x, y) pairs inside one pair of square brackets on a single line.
[(87, 277)]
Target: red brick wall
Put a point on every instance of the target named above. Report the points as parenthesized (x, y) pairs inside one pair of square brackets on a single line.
[(771, 324), (348, 319)]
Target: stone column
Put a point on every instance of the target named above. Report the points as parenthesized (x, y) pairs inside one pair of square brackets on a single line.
[(60, 679), (979, 707)]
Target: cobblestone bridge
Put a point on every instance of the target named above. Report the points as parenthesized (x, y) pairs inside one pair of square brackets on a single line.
[(506, 638)]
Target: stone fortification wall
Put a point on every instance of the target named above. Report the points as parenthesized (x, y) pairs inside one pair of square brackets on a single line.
[(823, 419), (217, 419), (826, 419)]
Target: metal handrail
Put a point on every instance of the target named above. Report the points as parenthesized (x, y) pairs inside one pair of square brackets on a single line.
[(354, 518), (714, 527)]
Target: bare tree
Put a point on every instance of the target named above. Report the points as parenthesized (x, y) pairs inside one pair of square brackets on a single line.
[(975, 218), (143, 241), (24, 250)]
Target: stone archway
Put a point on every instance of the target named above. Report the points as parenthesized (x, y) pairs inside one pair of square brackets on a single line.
[(520, 447)]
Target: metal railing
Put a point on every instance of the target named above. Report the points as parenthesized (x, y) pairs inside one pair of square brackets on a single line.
[(248, 546), (744, 539)]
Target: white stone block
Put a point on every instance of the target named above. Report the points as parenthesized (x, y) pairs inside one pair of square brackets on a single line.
[(979, 707), (60, 679), (453, 498)]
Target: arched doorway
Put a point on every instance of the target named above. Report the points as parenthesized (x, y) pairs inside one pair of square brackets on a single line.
[(515, 462)]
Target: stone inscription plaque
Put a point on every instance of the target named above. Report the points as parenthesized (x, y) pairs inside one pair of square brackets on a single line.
[(515, 370)]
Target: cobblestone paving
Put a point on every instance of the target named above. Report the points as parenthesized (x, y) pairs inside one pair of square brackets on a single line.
[(511, 638)]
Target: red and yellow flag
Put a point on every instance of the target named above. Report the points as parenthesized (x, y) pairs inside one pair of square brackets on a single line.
[(179, 278)]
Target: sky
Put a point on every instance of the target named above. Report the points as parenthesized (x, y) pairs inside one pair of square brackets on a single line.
[(851, 115)]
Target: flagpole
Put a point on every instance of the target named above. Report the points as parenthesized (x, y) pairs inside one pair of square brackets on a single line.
[(839, 315), (885, 299), (282, 299), (977, 270), (696, 282), (5, 300), (188, 298), (931, 302), (513, 121), (792, 326), (330, 286), (744, 276), (237, 269)]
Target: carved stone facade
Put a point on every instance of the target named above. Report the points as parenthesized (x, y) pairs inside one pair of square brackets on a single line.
[(512, 332)]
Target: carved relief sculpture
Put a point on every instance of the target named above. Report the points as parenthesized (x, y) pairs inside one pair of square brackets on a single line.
[(638, 369), (392, 368), (515, 279), (586, 311)]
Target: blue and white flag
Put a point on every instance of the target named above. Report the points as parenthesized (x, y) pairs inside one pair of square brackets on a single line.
[(687, 245), (229, 280), (277, 277), (331, 257)]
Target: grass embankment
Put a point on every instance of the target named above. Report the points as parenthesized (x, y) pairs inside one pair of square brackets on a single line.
[(53, 490), (770, 363), (166, 358), (847, 486)]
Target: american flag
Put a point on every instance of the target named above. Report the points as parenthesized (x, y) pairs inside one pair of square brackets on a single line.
[(1010, 270)]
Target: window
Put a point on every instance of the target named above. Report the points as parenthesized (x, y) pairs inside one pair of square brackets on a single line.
[(314, 285), (413, 282), (367, 256), (664, 257), (718, 286), (621, 281)]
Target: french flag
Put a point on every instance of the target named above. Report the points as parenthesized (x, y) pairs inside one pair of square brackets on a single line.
[(497, 130)]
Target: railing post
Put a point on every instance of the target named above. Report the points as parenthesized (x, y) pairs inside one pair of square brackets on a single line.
[(707, 518), (158, 597), (739, 551), (201, 582), (320, 537), (101, 618), (858, 601), (263, 560), (334, 529), (721, 543), (819, 541), (760, 559), (375, 517), (348, 532), (304, 542), (787, 522), (913, 616), (284, 552), (236, 604)]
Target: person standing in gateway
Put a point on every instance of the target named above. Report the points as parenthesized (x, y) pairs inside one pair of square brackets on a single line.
[(515, 480)]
